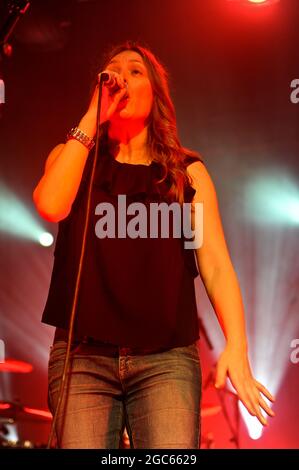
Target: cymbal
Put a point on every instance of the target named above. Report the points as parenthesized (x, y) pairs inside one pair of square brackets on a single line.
[(16, 411), (209, 410), (12, 365)]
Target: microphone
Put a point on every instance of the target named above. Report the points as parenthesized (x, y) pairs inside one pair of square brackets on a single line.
[(109, 79)]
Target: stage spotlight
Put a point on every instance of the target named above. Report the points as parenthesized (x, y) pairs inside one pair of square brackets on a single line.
[(16, 219), (254, 427), (46, 239), (255, 2), (272, 199), (266, 2), (267, 205), (12, 436)]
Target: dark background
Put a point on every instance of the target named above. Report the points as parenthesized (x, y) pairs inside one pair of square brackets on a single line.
[(231, 66)]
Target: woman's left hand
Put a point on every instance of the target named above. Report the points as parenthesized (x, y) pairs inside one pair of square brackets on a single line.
[(234, 364)]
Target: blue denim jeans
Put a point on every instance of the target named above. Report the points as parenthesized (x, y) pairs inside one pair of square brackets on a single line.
[(156, 397)]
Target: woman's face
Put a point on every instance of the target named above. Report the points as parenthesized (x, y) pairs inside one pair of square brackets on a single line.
[(138, 104)]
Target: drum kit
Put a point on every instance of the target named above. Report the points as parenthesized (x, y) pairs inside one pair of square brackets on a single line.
[(14, 412)]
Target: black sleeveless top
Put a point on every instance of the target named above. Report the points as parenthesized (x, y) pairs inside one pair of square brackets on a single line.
[(134, 292)]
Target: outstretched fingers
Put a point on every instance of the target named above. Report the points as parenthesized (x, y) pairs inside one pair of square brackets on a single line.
[(263, 390)]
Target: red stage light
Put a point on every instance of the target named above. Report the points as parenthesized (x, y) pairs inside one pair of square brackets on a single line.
[(256, 2), (263, 2)]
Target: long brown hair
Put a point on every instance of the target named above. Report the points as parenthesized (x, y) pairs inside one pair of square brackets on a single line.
[(163, 141)]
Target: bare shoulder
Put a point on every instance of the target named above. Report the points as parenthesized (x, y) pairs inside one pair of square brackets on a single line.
[(53, 155), (201, 180)]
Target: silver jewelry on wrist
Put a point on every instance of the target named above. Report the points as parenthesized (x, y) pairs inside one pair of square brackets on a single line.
[(76, 133)]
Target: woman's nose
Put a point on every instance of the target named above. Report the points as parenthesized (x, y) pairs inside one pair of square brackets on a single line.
[(125, 81), (124, 76)]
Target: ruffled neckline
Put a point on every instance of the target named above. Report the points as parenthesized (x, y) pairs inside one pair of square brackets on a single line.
[(137, 181)]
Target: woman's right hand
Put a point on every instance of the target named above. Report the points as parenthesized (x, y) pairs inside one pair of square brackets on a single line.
[(109, 102)]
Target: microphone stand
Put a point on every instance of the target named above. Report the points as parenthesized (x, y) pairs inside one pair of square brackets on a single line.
[(80, 265), (16, 9), (234, 430)]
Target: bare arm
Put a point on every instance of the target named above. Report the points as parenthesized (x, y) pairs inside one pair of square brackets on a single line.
[(58, 187), (221, 284)]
